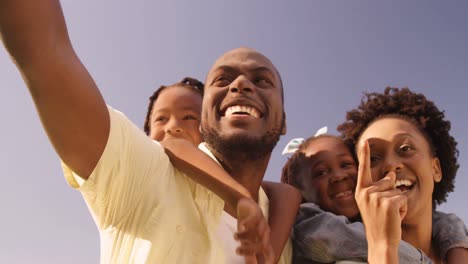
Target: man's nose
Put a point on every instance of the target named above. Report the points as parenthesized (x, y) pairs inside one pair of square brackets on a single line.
[(241, 85)]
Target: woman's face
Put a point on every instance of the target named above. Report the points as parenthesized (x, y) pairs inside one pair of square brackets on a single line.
[(329, 176), (397, 145)]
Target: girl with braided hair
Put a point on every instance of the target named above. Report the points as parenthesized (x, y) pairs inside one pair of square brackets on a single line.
[(177, 112)]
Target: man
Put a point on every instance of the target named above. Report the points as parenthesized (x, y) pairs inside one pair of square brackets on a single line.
[(146, 210)]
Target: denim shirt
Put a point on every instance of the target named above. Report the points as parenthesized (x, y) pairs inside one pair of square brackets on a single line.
[(323, 237)]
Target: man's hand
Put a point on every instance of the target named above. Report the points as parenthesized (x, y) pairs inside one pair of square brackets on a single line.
[(253, 233), (69, 104)]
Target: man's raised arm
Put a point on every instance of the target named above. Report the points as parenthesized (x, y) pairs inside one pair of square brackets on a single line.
[(69, 104)]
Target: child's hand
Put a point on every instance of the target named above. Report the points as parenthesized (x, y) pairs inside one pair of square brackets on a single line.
[(382, 206), (253, 233)]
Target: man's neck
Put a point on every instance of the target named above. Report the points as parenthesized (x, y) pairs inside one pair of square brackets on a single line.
[(247, 172)]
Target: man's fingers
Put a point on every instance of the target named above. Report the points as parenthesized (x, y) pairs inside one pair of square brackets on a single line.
[(364, 173)]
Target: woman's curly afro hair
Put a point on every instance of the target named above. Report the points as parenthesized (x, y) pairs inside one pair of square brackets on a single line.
[(421, 112)]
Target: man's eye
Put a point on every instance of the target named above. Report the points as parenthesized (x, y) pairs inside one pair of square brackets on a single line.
[(222, 81), (262, 82)]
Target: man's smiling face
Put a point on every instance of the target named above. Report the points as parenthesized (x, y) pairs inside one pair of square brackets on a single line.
[(243, 103)]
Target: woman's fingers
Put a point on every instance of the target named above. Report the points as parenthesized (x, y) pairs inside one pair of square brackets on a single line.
[(384, 184), (364, 172)]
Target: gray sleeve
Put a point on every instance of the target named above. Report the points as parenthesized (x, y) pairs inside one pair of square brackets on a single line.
[(448, 231), (324, 237), (409, 254)]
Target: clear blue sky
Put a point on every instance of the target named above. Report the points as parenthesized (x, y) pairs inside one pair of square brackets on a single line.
[(328, 53)]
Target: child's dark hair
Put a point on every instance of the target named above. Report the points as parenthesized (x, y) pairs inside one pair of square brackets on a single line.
[(187, 82), (291, 170), (421, 112)]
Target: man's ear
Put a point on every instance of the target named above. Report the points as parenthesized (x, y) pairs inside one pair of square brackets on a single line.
[(436, 170), (284, 130)]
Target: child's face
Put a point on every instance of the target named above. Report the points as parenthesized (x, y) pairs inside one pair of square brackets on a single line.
[(329, 177), (397, 145), (176, 114)]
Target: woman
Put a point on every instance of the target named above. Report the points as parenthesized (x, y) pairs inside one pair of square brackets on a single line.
[(407, 166)]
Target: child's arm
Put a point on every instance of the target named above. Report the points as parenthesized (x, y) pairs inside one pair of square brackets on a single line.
[(254, 231), (324, 237), (201, 168), (284, 204), (457, 255), (450, 236)]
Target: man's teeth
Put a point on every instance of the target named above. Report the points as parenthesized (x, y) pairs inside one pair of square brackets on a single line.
[(243, 110), (343, 194)]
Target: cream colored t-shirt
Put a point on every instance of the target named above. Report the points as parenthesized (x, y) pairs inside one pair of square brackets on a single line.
[(146, 210)]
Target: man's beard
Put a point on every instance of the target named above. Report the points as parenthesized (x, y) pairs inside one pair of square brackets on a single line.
[(240, 148)]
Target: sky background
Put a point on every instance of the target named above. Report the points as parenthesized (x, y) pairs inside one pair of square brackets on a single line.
[(328, 53)]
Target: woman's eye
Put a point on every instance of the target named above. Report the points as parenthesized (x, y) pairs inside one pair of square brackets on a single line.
[(374, 158), (405, 148)]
